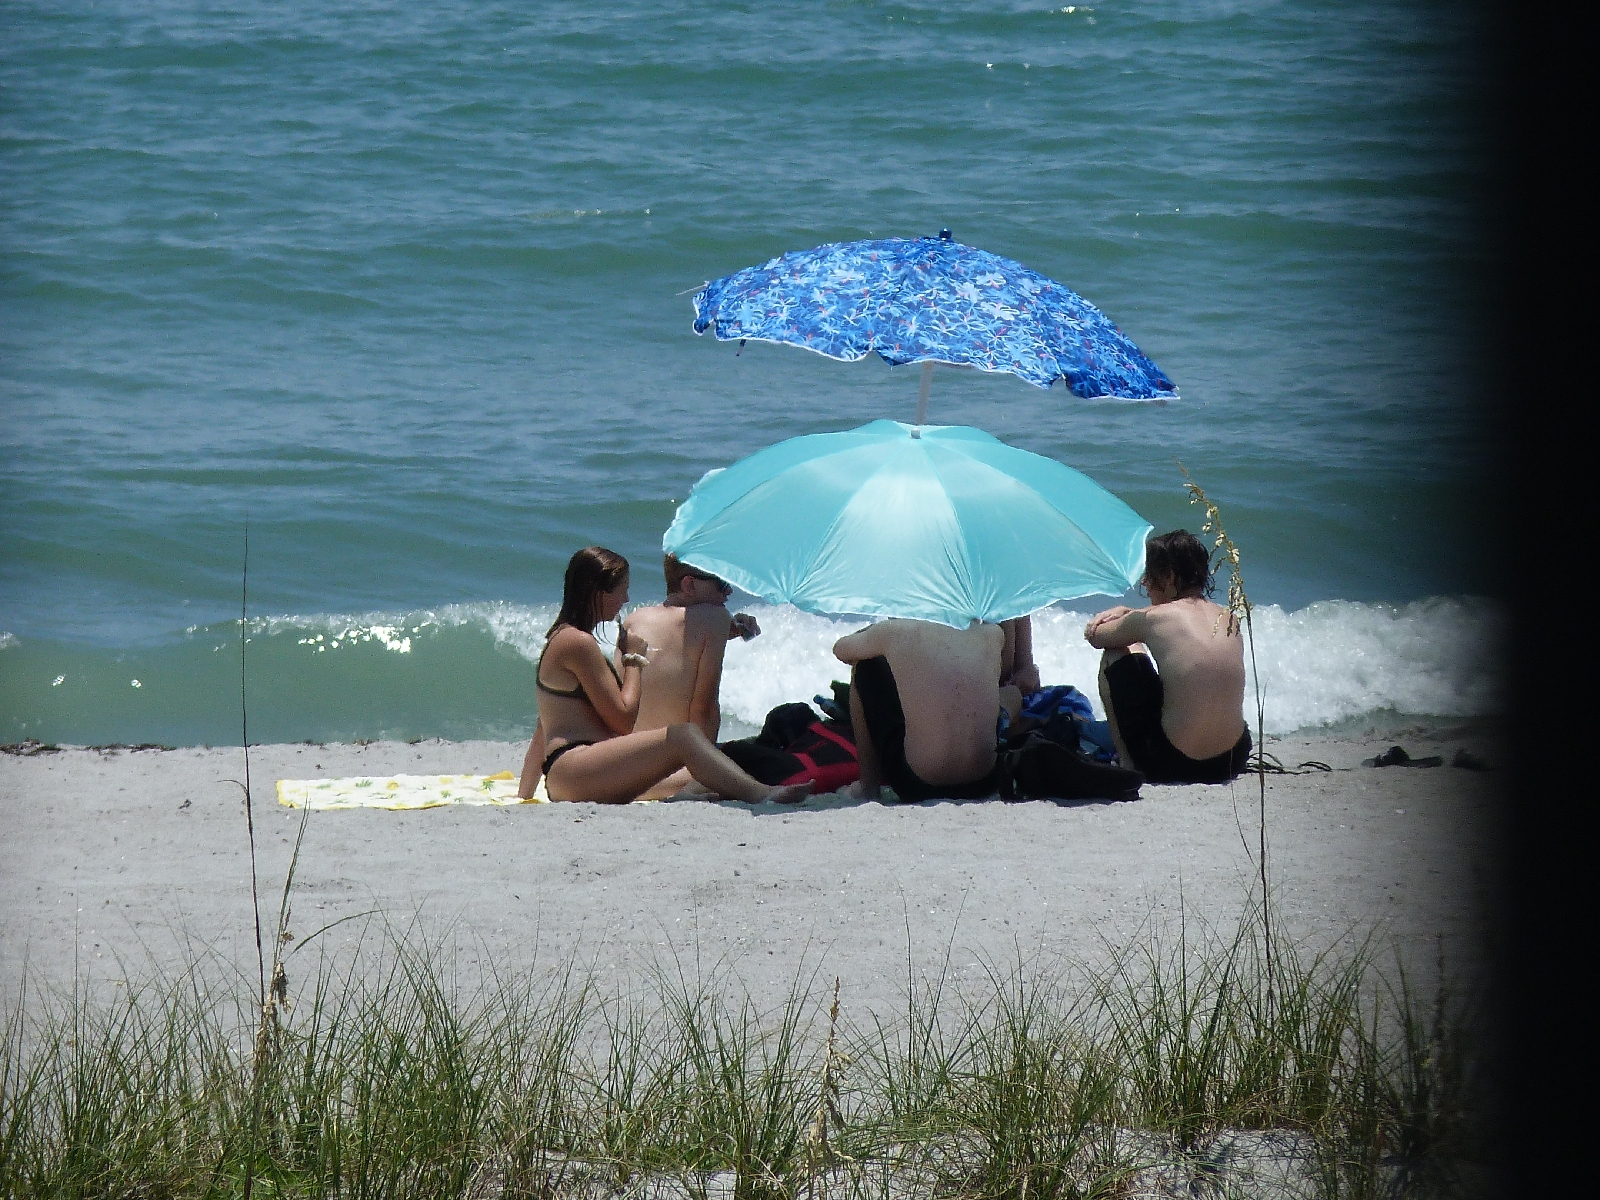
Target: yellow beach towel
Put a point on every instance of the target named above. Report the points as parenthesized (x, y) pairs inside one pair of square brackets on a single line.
[(404, 791)]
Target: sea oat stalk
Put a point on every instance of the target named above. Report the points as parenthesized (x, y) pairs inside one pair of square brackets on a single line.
[(1239, 608)]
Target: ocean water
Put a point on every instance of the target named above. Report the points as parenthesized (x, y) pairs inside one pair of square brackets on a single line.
[(405, 289)]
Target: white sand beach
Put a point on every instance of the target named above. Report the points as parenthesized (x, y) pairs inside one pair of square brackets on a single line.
[(116, 862)]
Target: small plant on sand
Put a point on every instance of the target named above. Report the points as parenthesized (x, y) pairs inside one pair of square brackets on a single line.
[(1238, 609), (820, 1155), (273, 990)]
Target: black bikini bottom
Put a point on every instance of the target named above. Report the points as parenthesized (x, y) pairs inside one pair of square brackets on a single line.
[(550, 759)]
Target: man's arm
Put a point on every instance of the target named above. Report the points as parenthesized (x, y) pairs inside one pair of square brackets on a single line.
[(862, 644), (705, 705), (1117, 628)]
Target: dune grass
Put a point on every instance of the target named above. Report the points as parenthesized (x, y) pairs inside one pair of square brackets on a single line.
[(390, 1077)]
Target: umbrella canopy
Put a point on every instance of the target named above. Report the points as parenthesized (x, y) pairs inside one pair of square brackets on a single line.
[(937, 523), (930, 300)]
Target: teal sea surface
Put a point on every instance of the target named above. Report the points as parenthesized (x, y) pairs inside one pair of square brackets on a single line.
[(406, 290)]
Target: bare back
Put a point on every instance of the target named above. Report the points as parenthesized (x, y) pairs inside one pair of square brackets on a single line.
[(686, 647), (1200, 656), (949, 683)]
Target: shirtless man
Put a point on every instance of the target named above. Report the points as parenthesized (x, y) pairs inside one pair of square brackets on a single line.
[(687, 634), (923, 700), (1186, 724)]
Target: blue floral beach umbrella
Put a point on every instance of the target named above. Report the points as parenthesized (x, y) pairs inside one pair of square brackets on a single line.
[(937, 523), (930, 300)]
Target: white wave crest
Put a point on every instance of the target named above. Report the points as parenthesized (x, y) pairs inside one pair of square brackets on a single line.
[(1321, 664), (1325, 663)]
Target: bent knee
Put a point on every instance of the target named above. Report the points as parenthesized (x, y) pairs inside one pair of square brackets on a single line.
[(685, 733)]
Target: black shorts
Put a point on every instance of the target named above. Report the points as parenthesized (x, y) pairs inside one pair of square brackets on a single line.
[(873, 681), (1136, 696)]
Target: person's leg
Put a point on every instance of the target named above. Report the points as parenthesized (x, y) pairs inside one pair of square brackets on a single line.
[(680, 780), (715, 770), (870, 785), (1011, 700), (1106, 659), (613, 771), (619, 769)]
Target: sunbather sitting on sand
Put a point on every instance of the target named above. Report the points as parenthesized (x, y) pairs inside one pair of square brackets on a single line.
[(923, 700), (1185, 724), (686, 635), (583, 744)]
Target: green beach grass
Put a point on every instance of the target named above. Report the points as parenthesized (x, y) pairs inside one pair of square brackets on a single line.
[(390, 1076)]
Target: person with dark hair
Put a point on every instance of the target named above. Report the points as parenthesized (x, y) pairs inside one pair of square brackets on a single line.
[(583, 743), (1179, 718)]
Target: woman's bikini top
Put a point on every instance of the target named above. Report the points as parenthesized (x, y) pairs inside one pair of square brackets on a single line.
[(576, 693)]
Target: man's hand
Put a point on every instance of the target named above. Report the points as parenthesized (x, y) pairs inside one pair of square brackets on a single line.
[(742, 625), (1099, 619)]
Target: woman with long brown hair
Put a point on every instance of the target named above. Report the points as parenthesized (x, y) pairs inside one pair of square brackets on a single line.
[(583, 744)]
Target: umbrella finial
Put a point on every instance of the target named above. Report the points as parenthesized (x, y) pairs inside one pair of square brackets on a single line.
[(944, 235)]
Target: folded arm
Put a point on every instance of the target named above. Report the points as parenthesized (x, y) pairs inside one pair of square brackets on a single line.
[(580, 654), (863, 644), (1117, 628)]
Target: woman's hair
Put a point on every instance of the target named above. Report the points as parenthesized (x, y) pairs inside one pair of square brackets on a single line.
[(1182, 557), (590, 571)]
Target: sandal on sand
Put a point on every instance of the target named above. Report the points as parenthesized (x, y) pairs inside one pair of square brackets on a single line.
[(1396, 756)]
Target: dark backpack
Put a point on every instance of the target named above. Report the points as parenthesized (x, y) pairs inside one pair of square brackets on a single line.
[(1036, 767), (793, 747)]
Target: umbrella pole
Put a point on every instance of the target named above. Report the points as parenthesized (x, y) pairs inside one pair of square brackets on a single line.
[(922, 393)]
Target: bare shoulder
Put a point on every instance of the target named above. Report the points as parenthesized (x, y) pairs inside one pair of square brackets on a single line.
[(1216, 618), (654, 618), (567, 638), (568, 645), (705, 621), (1195, 616)]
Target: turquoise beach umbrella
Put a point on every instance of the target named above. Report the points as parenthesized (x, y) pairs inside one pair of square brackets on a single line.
[(937, 522)]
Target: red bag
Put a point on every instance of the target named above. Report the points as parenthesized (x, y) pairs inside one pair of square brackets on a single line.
[(827, 758)]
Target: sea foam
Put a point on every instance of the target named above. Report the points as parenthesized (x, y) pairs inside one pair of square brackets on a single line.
[(1322, 664), (1326, 663)]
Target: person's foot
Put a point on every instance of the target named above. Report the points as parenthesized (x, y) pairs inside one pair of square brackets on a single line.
[(860, 791), (792, 794)]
